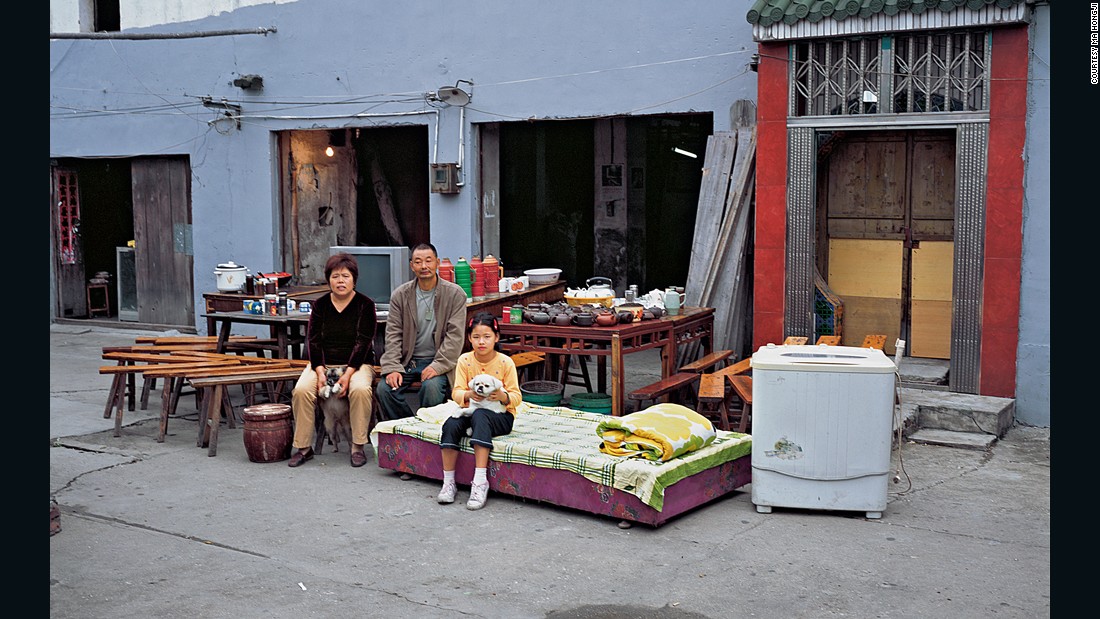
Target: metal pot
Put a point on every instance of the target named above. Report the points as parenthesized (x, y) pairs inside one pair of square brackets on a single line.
[(230, 276), (595, 284)]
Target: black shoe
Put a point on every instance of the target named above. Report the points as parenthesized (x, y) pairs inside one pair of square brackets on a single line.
[(358, 458), (300, 457)]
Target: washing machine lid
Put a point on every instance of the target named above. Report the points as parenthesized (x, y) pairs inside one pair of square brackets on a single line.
[(822, 359)]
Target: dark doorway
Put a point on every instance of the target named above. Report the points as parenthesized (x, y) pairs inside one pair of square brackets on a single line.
[(106, 221), (547, 189), (565, 186), (144, 200), (393, 167)]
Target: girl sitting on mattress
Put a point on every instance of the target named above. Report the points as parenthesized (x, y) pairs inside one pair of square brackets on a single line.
[(485, 357)]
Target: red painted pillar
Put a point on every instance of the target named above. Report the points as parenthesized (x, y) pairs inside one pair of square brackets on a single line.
[(770, 227), (1004, 211)]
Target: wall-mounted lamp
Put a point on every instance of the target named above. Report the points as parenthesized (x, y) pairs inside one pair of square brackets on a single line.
[(336, 138), (680, 151), (451, 95)]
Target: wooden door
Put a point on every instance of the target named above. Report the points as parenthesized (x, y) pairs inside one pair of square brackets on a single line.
[(888, 218), (162, 234)]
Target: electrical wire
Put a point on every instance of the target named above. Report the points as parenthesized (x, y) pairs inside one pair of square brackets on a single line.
[(899, 422)]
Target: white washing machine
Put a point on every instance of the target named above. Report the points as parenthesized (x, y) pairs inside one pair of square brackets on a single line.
[(822, 423)]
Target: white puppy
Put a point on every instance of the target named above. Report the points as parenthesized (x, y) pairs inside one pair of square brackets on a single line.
[(482, 385)]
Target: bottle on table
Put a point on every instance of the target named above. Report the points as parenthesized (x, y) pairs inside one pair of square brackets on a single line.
[(447, 270), (462, 276), (477, 278), (490, 266)]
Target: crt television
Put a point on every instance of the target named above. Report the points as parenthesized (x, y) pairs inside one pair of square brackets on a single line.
[(381, 269)]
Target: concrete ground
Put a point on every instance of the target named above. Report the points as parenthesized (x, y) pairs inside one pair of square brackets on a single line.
[(162, 530)]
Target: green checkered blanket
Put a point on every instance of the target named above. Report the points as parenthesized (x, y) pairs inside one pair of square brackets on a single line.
[(566, 439)]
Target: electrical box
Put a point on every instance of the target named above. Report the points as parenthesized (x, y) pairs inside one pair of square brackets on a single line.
[(444, 178)]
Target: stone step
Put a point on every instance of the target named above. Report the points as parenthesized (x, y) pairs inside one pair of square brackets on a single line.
[(950, 438), (928, 409)]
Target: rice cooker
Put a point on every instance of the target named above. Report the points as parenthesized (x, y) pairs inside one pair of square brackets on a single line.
[(230, 276)]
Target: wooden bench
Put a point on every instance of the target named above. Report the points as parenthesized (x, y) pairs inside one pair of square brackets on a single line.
[(703, 364), (174, 377), (714, 398), (530, 365), (214, 389), (154, 348), (672, 385), (129, 364), (740, 367)]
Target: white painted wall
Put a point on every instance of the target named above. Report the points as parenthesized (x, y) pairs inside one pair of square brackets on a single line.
[(65, 15)]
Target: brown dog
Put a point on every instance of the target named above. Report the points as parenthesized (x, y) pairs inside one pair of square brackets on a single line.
[(336, 409)]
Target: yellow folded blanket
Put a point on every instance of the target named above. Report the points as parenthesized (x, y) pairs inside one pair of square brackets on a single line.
[(659, 433)]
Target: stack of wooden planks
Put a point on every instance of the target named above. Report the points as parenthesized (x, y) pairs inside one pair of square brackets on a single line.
[(719, 273)]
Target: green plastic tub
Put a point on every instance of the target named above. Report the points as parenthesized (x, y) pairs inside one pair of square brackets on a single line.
[(542, 392), (591, 402)]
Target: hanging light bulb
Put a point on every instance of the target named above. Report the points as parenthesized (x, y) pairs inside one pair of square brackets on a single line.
[(329, 151)]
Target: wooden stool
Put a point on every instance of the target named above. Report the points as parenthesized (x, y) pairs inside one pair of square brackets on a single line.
[(579, 378), (530, 365), (712, 398), (742, 386), (874, 341), (106, 307)]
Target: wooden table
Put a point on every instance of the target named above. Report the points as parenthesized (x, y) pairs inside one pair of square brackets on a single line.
[(667, 333), (288, 331)]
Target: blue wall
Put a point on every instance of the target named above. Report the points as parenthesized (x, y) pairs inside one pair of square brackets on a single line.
[(1033, 349)]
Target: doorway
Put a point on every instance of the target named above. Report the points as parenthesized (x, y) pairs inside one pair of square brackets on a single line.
[(605, 197), (885, 234), (352, 186), (100, 208)]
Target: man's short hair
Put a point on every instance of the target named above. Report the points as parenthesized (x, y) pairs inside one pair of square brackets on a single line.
[(427, 246)]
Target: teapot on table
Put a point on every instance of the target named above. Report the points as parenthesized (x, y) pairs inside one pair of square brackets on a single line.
[(674, 301)]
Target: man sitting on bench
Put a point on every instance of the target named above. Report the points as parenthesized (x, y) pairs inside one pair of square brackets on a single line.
[(425, 333)]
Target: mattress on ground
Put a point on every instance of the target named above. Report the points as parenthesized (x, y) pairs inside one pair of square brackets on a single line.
[(564, 439)]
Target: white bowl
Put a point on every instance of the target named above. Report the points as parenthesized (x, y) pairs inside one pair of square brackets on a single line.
[(539, 277)]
